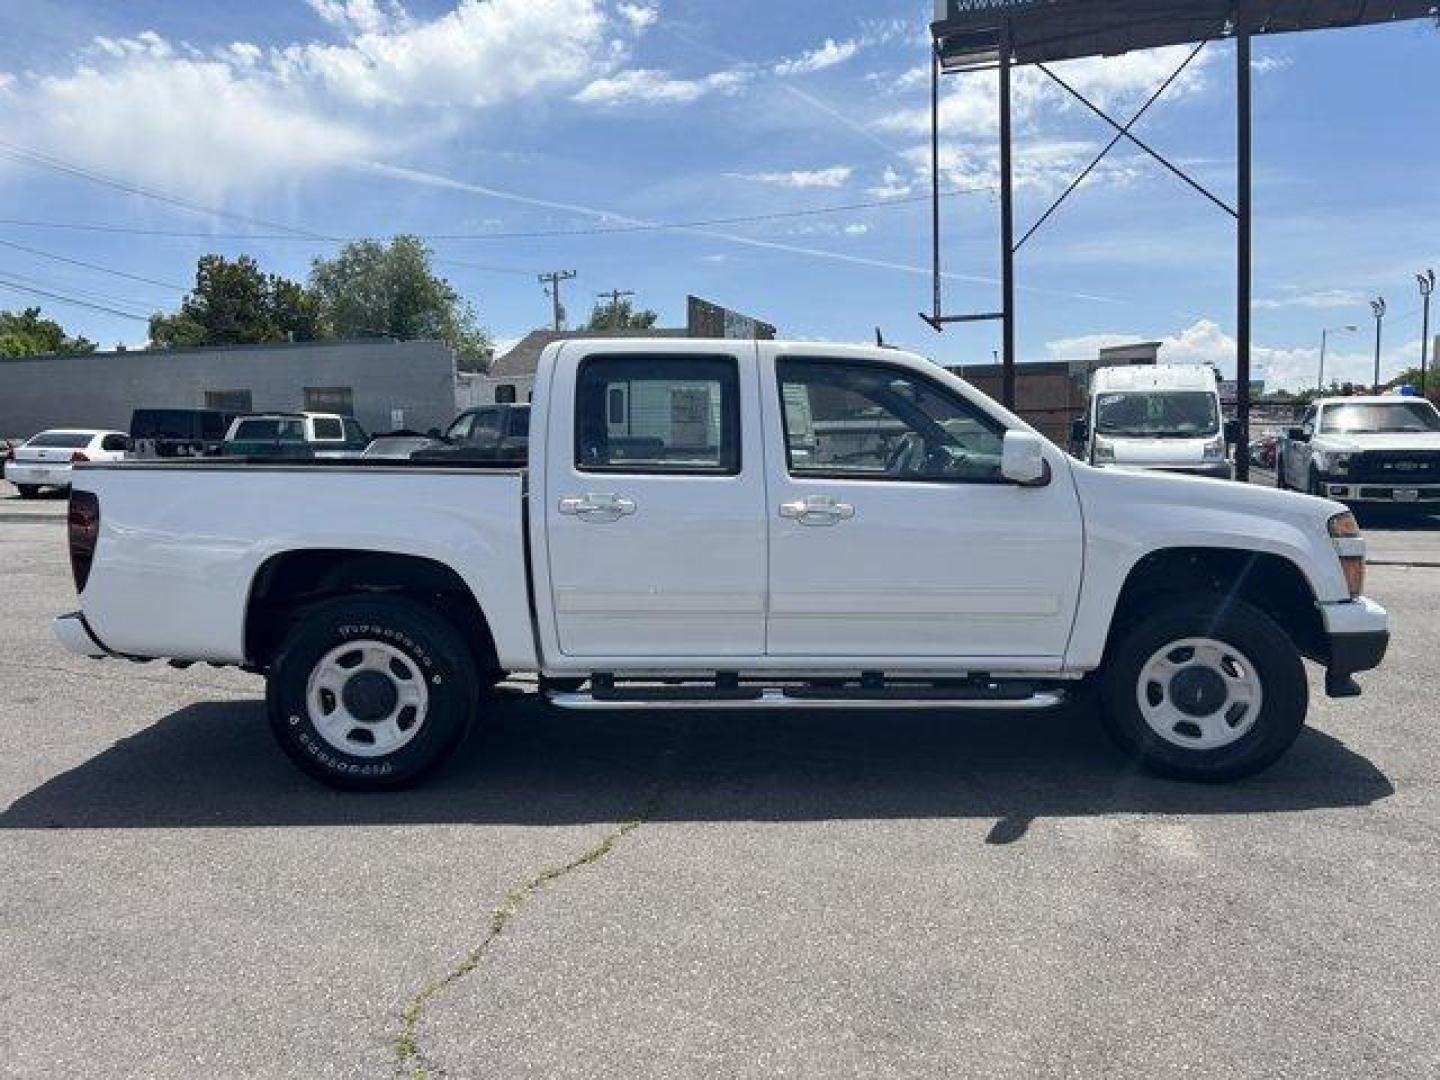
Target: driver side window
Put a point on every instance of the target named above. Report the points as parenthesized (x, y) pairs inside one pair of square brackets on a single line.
[(865, 421)]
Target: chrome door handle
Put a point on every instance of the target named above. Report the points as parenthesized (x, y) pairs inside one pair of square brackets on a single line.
[(597, 507), (817, 510)]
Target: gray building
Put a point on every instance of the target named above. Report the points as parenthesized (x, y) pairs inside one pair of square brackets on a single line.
[(383, 384)]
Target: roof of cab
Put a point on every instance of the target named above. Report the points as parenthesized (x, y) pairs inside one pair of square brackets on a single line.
[(1154, 377)]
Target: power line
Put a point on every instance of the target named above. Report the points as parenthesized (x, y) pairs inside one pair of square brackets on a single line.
[(93, 266), (60, 298), (47, 161), (533, 234)]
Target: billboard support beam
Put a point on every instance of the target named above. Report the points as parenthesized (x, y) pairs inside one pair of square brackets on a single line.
[(1243, 263), (1007, 227)]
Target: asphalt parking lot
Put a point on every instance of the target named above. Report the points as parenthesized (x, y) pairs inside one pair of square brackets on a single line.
[(801, 895)]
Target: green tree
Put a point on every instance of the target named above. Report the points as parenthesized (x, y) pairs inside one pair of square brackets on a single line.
[(374, 289), (25, 333), (235, 303), (620, 314)]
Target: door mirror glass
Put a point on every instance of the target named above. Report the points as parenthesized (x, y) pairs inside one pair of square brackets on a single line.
[(1022, 459)]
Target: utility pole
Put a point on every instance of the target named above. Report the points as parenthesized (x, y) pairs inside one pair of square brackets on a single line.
[(616, 295), (1377, 308), (552, 281), (1427, 288)]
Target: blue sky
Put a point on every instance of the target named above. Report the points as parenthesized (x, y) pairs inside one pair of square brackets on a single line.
[(338, 118)]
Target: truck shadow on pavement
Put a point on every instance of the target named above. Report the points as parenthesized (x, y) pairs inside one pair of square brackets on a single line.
[(214, 764)]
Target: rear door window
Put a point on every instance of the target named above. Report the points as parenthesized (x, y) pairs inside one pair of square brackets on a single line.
[(114, 442), (72, 440), (328, 428)]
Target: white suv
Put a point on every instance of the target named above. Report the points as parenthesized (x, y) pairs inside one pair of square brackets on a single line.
[(45, 460)]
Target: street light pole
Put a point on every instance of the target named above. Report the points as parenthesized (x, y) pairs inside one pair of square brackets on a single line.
[(1427, 287), (1324, 338), (1377, 307)]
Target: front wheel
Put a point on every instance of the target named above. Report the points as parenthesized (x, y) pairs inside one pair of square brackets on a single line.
[(368, 694), (1209, 690)]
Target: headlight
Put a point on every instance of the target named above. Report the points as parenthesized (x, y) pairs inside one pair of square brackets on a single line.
[(1215, 449), (1104, 449)]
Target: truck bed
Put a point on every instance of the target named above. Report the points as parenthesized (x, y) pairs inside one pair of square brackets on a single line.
[(185, 540)]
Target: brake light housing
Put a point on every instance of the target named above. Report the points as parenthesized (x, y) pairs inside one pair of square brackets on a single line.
[(84, 534), (77, 457)]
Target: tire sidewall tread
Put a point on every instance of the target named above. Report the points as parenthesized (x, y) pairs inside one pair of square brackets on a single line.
[(1252, 632), (427, 638)]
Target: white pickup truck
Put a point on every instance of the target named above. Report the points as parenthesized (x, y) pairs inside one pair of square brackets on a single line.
[(727, 524), (1383, 449)]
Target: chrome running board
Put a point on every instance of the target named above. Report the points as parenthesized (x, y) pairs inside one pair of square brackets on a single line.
[(777, 698)]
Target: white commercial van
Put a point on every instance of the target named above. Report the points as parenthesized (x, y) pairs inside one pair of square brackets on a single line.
[(1165, 417)]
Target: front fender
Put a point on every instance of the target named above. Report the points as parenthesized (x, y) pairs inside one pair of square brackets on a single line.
[(1130, 516)]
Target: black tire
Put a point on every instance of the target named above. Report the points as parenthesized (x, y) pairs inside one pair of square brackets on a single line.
[(1234, 623), (1280, 473), (28, 491), (428, 645)]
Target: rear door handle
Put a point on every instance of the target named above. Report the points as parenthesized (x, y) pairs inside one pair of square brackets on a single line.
[(597, 508), (817, 510)]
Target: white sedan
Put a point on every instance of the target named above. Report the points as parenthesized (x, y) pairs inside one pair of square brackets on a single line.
[(45, 460)]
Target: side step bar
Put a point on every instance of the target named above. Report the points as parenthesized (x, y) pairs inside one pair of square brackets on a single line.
[(665, 697)]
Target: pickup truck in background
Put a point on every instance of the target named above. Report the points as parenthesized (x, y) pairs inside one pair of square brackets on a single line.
[(725, 525), (1383, 449), (294, 436)]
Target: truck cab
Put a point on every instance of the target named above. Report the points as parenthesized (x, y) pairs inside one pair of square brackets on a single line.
[(1165, 417)]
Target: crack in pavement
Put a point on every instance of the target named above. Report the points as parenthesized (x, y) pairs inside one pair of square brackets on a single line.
[(410, 1062)]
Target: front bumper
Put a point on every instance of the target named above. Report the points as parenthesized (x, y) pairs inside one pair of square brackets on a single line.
[(1351, 491), (75, 634), (26, 472), (1358, 633)]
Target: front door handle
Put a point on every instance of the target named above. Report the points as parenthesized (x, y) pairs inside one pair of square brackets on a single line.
[(817, 510), (597, 508)]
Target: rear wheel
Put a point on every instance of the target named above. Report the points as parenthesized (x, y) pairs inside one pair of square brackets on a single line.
[(29, 491), (368, 694), (1209, 690)]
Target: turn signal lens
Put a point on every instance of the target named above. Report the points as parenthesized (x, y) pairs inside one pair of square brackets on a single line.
[(1354, 567), (84, 530), (1345, 527)]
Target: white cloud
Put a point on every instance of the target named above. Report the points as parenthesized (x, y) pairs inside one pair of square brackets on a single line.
[(1316, 301), (477, 54), (246, 117), (638, 16), (826, 55), (1266, 65), (891, 186), (856, 228), (833, 177), (1205, 342), (646, 86), (361, 16)]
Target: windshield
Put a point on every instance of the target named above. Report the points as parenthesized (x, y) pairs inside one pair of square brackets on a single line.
[(1155, 413), (269, 431), (1376, 418), (69, 440)]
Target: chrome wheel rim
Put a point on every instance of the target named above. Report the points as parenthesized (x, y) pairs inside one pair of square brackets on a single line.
[(1199, 693), (367, 699)]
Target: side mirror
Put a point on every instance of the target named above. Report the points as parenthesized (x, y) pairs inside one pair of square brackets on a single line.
[(1296, 434), (1079, 430), (1232, 431), (1022, 459)]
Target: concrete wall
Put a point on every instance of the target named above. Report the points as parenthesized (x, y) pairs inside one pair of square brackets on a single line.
[(101, 389)]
